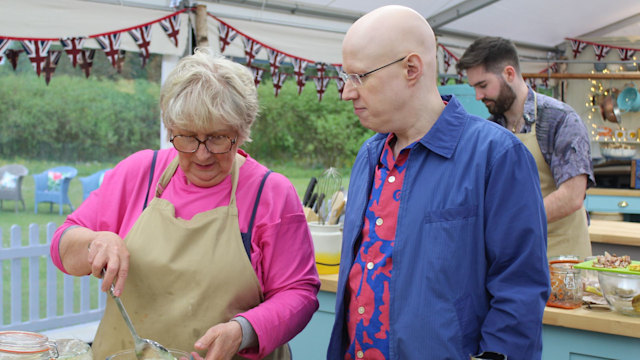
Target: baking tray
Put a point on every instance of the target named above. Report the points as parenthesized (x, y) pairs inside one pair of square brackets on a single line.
[(588, 265)]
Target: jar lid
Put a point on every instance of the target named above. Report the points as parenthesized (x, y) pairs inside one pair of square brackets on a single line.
[(23, 342)]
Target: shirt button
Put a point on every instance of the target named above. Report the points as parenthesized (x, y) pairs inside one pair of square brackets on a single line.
[(360, 354), (369, 265), (392, 179), (361, 310), (379, 221)]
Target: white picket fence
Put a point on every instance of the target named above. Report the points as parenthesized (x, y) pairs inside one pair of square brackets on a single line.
[(40, 285)]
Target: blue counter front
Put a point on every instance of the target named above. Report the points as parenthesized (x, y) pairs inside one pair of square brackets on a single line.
[(578, 334)]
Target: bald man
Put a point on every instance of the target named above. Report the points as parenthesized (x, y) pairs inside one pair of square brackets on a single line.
[(444, 247)]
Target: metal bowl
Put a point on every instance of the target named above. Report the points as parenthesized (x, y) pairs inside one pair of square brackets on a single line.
[(618, 150), (622, 291)]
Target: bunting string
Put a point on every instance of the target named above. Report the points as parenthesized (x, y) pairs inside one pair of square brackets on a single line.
[(601, 50), (37, 49)]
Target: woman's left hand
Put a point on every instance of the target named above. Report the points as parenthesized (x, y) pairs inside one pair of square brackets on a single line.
[(221, 341)]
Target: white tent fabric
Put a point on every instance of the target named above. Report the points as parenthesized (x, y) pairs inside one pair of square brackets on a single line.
[(45, 19), (542, 22), (313, 29), (538, 27)]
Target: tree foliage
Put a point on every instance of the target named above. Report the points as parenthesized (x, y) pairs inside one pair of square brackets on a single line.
[(109, 115)]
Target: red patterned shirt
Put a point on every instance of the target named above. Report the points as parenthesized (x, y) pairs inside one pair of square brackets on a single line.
[(370, 276)]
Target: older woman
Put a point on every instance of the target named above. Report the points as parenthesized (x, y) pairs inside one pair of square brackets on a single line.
[(214, 249)]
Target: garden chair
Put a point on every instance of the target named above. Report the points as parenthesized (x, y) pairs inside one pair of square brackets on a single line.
[(91, 182), (52, 186), (11, 184)]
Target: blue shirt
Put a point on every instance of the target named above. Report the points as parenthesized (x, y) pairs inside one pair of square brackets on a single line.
[(469, 260)]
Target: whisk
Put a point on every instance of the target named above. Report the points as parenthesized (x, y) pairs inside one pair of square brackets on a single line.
[(329, 191)]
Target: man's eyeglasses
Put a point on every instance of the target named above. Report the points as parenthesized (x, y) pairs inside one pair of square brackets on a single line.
[(218, 144), (356, 79)]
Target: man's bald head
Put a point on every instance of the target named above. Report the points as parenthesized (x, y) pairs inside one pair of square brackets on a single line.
[(389, 32)]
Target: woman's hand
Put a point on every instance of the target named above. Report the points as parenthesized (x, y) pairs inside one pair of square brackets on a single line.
[(107, 251), (221, 342)]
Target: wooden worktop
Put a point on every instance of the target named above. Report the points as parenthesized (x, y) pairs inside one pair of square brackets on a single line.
[(613, 192), (615, 232), (597, 319)]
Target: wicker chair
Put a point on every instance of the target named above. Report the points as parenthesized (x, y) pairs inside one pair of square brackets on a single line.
[(59, 193), (11, 184), (91, 182)]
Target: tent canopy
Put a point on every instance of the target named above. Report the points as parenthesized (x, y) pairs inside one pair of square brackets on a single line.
[(314, 29)]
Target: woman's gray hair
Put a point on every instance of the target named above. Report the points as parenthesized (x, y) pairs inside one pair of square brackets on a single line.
[(205, 89)]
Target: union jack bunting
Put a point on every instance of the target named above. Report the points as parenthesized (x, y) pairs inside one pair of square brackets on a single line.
[(227, 35), (4, 45), (142, 37), (251, 49), (532, 83), (275, 59), (73, 48), (321, 68), (545, 82), (51, 63), (13, 55), (601, 51), (37, 52), (171, 27), (86, 61), (549, 69), (625, 54), (446, 60), (111, 45), (321, 85), (257, 74), (299, 66), (278, 80), (339, 81), (577, 46)]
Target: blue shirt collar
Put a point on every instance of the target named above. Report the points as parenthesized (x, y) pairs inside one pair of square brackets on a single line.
[(444, 136)]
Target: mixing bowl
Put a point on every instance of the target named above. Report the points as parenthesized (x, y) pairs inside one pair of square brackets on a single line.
[(622, 291)]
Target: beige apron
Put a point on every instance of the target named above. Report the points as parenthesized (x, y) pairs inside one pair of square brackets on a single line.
[(569, 235), (185, 276)]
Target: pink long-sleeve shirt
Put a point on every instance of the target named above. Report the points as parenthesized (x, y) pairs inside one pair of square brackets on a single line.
[(281, 246)]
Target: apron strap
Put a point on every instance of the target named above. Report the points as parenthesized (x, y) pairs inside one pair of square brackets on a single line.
[(246, 237), (153, 166)]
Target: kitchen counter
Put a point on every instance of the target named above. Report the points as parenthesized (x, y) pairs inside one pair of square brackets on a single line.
[(597, 319), (615, 237), (615, 232), (596, 333)]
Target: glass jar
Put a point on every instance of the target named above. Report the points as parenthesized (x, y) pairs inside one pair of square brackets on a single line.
[(327, 244), (566, 284), (24, 345)]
